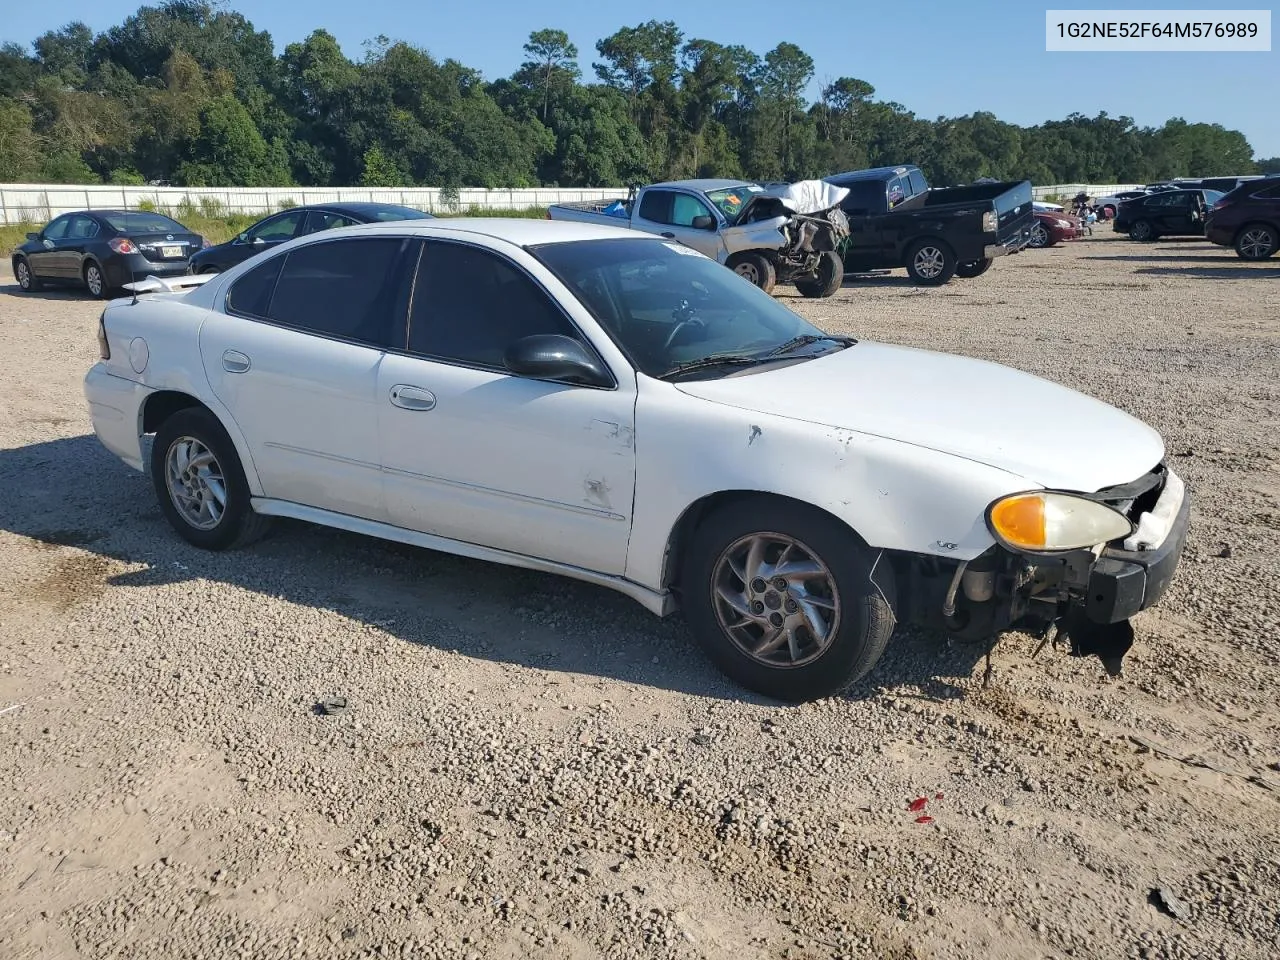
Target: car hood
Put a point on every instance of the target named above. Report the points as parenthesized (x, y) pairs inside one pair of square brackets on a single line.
[(986, 412)]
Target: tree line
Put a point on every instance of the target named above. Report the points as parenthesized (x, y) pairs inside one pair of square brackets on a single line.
[(189, 92)]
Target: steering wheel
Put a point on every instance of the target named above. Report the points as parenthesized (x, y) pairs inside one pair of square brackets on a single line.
[(685, 319)]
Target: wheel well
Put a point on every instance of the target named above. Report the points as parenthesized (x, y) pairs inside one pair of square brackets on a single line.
[(928, 238), (163, 404), (1256, 223), (685, 527)]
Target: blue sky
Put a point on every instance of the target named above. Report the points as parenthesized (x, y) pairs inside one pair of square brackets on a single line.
[(934, 57)]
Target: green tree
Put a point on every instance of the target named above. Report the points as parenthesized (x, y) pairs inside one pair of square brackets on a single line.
[(379, 171), (553, 61), (229, 151)]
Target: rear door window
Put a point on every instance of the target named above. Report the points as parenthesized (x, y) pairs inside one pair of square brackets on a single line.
[(318, 220), (655, 206), (348, 289)]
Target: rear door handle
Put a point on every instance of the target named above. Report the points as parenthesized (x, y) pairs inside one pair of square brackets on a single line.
[(408, 397), (233, 361)]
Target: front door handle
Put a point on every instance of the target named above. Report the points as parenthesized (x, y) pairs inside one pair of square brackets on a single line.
[(669, 236), (409, 397), (233, 361)]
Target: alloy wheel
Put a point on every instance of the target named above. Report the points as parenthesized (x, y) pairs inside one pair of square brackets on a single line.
[(1256, 243), (929, 262), (195, 483), (93, 279), (776, 600)]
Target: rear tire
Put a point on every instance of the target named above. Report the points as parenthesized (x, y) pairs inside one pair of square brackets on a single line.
[(200, 483), (826, 581), (26, 279), (973, 268), (930, 263), (1257, 241), (1142, 232), (96, 281), (757, 269), (827, 278)]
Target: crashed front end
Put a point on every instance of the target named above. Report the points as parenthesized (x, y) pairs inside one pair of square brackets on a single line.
[(1041, 575), (795, 223)]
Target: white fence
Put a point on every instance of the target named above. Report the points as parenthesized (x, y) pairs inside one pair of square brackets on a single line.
[(38, 203)]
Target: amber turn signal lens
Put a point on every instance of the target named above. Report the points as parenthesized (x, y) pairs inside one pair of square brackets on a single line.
[(1020, 520)]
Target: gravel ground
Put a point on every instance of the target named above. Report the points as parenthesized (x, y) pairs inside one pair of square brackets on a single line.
[(534, 768)]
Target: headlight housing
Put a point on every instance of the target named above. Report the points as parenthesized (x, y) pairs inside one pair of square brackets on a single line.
[(1045, 521)]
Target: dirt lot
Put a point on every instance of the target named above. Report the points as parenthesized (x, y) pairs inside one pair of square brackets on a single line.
[(536, 768)]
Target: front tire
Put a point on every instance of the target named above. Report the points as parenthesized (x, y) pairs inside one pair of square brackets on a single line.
[(782, 598), (1257, 241), (973, 268), (826, 279), (26, 279), (757, 269), (931, 263), (200, 483), (1142, 232), (1040, 236)]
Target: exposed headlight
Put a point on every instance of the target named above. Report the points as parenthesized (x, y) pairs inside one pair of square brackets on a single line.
[(1064, 223), (1046, 522)]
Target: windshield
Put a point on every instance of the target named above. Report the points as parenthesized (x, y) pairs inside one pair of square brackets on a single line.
[(731, 200), (143, 221), (666, 305)]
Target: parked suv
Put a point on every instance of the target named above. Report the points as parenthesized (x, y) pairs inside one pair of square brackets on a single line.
[(1248, 218), (1167, 213)]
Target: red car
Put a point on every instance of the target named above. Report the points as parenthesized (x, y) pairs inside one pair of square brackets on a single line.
[(1052, 228)]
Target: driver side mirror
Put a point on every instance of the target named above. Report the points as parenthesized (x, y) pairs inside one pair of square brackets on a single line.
[(552, 356), (259, 242), (704, 222)]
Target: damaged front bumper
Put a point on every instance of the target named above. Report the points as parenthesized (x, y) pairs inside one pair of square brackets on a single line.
[(1086, 595)]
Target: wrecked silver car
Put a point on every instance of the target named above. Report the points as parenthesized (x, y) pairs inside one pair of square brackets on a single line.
[(767, 233)]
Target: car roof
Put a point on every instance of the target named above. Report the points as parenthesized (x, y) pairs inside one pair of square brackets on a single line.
[(874, 173), (357, 206), (519, 231), (706, 184)]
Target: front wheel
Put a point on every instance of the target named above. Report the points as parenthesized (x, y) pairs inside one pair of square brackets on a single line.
[(1257, 242), (785, 600), (200, 483), (1040, 236), (973, 268), (826, 279), (931, 263), (26, 279), (757, 269)]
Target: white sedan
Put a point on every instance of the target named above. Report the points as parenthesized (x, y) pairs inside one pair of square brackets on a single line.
[(621, 409)]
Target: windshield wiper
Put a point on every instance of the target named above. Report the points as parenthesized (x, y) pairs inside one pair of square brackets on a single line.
[(804, 340), (722, 360)]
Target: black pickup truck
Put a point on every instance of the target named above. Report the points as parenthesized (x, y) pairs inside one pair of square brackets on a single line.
[(896, 220)]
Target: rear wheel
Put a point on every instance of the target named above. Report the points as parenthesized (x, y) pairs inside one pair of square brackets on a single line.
[(756, 268), (973, 268), (210, 270), (826, 279), (783, 600), (200, 483), (26, 279), (95, 280), (931, 263), (1257, 241), (1141, 231)]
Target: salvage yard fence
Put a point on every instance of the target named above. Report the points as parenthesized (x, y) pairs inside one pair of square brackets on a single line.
[(38, 203)]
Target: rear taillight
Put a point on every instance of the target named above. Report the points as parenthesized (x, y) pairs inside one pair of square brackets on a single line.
[(990, 222), (122, 245), (104, 349)]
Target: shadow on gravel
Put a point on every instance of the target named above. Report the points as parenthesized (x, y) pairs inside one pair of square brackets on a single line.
[(1214, 273), (48, 293), (1226, 257), (73, 493)]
